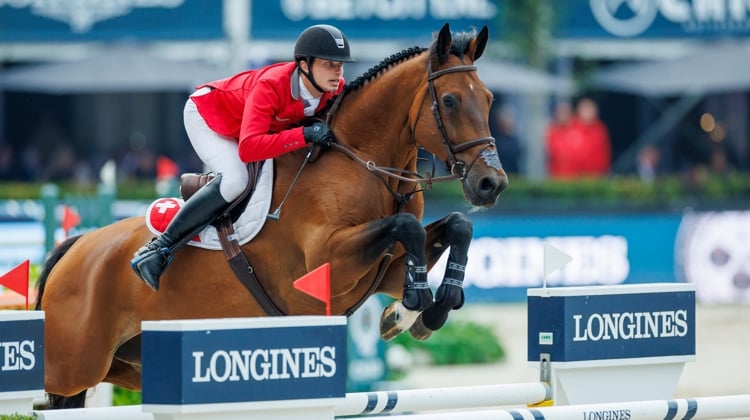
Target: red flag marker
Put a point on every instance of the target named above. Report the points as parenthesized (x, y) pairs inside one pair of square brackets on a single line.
[(317, 284), (70, 219), (17, 280)]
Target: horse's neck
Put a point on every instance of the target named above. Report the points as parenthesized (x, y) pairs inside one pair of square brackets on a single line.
[(376, 120)]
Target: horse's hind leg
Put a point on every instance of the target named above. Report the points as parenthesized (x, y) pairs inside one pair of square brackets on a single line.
[(454, 231)]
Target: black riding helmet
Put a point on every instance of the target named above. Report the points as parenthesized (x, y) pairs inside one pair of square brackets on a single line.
[(321, 41)]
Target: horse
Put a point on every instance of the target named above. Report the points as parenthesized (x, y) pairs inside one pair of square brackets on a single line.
[(358, 207)]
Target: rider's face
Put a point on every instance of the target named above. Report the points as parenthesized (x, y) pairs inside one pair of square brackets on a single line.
[(327, 73)]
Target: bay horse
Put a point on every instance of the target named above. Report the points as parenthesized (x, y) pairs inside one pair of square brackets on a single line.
[(358, 207)]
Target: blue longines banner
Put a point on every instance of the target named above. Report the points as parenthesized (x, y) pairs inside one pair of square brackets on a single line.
[(244, 365), (88, 20), (21, 351), (611, 326), (506, 256), (378, 20)]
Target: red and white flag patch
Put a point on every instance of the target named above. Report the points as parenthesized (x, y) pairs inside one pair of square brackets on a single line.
[(161, 212)]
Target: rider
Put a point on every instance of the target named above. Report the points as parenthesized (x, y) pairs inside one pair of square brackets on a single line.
[(251, 116)]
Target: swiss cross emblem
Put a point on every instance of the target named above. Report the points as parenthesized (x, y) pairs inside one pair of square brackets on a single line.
[(161, 212)]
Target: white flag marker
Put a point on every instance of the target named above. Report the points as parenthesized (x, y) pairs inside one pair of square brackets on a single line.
[(554, 259)]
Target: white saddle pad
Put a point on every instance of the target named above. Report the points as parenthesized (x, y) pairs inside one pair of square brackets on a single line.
[(250, 222)]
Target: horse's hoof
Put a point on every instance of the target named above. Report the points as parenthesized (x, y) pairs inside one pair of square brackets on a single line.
[(419, 331), (395, 320)]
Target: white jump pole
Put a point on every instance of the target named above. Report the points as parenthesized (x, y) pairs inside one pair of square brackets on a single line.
[(126, 412), (401, 401), (705, 408)]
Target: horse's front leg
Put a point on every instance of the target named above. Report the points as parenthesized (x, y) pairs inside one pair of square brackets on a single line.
[(370, 241)]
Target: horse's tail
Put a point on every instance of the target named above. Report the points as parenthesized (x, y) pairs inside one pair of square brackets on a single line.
[(52, 259)]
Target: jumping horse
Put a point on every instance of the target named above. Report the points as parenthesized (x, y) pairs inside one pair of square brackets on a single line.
[(358, 207)]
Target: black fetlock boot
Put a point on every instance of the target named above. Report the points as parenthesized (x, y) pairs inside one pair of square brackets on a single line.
[(197, 212)]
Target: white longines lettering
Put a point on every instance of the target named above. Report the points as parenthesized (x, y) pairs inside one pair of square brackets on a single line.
[(264, 364), (631, 325), (17, 355), (387, 10)]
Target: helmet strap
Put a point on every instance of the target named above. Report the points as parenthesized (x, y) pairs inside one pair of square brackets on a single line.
[(309, 75)]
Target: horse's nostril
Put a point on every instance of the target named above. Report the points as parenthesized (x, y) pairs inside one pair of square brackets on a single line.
[(487, 185), (491, 186)]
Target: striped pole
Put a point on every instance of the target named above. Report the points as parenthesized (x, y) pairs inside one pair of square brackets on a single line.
[(362, 403), (705, 408)]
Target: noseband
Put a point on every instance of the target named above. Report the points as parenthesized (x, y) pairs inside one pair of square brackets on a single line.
[(457, 168)]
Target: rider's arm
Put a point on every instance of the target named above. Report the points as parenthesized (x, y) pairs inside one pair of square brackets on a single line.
[(266, 119)]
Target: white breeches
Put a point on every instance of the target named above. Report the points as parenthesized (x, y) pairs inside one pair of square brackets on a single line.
[(219, 153)]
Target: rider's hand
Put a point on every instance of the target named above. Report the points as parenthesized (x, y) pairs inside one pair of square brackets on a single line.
[(319, 134)]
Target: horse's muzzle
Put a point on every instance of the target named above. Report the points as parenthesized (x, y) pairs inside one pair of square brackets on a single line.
[(483, 189)]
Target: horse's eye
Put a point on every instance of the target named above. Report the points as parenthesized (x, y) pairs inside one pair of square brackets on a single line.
[(449, 100)]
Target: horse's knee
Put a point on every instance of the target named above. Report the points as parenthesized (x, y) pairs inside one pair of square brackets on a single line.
[(459, 226), (408, 229)]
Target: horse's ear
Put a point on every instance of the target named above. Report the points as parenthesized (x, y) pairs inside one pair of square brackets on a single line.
[(478, 44), (444, 41)]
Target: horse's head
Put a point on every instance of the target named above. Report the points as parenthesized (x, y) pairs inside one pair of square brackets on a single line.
[(454, 123)]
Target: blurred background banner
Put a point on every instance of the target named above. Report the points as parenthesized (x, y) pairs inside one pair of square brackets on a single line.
[(109, 20)]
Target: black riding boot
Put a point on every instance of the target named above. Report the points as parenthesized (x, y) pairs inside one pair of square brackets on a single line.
[(197, 212)]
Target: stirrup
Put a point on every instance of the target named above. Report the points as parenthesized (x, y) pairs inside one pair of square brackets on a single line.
[(148, 268)]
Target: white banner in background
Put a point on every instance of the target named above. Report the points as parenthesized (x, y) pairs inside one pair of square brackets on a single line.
[(519, 262)]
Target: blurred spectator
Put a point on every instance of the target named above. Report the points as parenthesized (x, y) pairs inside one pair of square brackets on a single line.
[(560, 138), (506, 139), (139, 164), (578, 145), (647, 163)]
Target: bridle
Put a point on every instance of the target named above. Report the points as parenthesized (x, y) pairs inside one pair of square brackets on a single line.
[(457, 168)]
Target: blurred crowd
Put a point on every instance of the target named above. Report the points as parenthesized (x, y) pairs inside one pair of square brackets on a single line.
[(577, 144)]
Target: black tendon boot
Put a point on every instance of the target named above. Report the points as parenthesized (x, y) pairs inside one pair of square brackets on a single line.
[(197, 212)]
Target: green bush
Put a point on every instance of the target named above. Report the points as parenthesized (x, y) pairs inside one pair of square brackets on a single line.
[(16, 417), (122, 396), (458, 342)]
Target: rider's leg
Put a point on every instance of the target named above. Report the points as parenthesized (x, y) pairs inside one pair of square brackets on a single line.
[(197, 212), (219, 153)]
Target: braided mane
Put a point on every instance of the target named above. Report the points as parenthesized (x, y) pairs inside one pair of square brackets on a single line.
[(460, 42), (377, 69)]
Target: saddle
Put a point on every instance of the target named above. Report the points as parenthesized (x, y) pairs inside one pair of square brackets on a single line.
[(224, 224)]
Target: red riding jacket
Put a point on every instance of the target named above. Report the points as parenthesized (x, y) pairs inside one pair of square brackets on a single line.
[(261, 108)]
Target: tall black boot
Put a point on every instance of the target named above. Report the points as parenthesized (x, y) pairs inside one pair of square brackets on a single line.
[(197, 212)]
